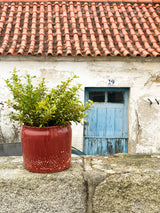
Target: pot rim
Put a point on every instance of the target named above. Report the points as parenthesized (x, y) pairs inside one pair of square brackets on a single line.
[(47, 127)]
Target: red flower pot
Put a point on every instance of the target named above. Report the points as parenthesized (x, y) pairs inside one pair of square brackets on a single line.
[(46, 149)]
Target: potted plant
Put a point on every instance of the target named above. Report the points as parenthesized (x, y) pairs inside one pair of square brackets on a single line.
[(46, 116)]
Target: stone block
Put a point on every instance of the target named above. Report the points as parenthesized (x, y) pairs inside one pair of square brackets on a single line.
[(24, 191)]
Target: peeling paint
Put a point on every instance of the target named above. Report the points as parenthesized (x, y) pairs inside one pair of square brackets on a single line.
[(142, 76)]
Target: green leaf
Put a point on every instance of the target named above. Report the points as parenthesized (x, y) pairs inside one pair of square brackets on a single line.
[(37, 106)]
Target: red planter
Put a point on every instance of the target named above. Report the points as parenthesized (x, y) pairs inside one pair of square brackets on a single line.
[(46, 149)]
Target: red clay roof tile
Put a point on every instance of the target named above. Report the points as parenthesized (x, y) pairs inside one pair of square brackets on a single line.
[(85, 28)]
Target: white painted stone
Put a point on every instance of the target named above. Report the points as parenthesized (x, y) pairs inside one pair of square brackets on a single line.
[(141, 75)]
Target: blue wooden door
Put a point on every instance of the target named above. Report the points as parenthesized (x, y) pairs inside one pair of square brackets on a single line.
[(106, 129)]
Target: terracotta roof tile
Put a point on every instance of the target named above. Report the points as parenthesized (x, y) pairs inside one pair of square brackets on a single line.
[(85, 28)]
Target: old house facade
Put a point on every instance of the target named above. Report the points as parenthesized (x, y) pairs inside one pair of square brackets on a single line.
[(112, 46)]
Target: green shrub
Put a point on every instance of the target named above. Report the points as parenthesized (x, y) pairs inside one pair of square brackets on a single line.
[(38, 106)]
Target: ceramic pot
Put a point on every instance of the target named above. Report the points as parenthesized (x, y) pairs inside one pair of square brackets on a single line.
[(46, 149)]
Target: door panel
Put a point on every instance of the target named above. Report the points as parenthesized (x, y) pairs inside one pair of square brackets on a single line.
[(96, 145), (107, 123)]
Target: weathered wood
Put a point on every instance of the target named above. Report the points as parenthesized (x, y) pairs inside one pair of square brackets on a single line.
[(106, 131)]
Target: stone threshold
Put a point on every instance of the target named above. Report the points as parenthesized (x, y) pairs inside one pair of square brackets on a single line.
[(15, 149)]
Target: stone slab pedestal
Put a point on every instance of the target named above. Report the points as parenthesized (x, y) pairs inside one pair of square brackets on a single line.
[(93, 184)]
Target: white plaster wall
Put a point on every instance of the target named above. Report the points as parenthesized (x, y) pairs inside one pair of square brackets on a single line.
[(141, 75)]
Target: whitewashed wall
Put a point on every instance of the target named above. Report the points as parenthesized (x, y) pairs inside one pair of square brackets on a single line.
[(141, 75)]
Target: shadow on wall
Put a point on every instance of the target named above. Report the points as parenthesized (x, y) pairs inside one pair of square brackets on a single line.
[(9, 131), (1, 135)]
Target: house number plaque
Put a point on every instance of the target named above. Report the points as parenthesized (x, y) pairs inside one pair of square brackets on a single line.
[(111, 82)]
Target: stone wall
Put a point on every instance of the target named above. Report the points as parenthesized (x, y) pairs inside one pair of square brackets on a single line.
[(104, 184), (141, 75)]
